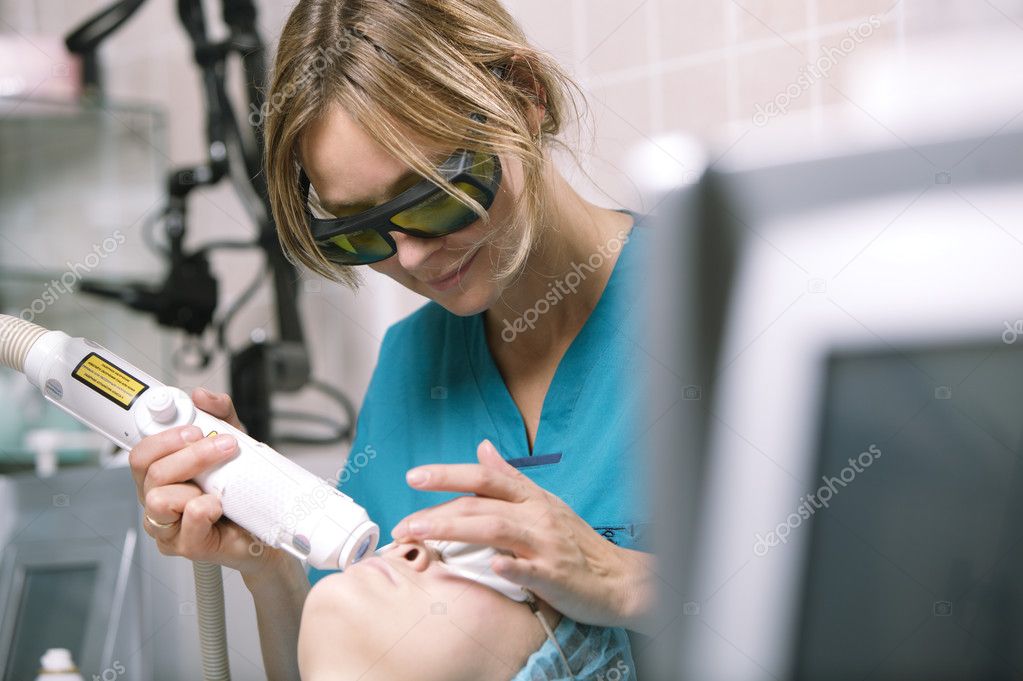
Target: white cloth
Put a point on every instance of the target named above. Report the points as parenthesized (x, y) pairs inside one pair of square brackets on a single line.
[(472, 561)]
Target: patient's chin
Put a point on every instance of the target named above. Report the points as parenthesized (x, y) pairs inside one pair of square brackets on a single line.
[(355, 628), (328, 633)]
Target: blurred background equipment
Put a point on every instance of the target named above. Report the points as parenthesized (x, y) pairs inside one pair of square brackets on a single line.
[(76, 578), (103, 165), (694, 265), (70, 146), (188, 297), (857, 517)]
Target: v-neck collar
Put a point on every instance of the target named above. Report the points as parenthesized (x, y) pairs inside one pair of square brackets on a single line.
[(509, 428)]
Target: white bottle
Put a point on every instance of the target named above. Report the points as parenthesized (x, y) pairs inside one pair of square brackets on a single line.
[(57, 665)]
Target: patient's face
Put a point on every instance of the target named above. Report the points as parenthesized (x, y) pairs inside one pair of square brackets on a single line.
[(404, 615)]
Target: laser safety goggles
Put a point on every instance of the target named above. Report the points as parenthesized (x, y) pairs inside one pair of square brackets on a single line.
[(424, 210)]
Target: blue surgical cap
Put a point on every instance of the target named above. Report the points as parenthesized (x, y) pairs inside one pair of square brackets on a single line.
[(592, 652)]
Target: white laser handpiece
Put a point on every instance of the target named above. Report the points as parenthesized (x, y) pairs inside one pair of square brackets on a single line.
[(275, 499)]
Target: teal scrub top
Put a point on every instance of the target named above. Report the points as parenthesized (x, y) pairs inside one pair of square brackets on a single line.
[(436, 393)]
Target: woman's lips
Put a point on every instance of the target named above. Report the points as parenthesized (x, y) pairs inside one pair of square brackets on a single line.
[(444, 283), (378, 563)]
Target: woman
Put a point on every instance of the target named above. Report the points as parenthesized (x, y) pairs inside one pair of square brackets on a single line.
[(415, 138), (450, 627), (404, 615)]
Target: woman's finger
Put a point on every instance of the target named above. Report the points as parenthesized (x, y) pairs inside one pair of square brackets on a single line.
[(487, 455), (497, 531), (492, 477), (155, 447), (217, 404), (190, 462), (460, 507), (197, 519), (166, 504), (469, 478), (519, 570)]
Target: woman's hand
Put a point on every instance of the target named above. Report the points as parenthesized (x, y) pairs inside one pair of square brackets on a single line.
[(163, 466), (556, 554)]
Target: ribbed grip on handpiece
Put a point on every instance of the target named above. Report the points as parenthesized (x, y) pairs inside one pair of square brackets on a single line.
[(16, 338)]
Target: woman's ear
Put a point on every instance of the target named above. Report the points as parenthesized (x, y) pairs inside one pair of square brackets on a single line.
[(522, 75)]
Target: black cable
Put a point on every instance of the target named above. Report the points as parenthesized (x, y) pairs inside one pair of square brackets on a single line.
[(94, 31), (342, 433), (220, 325), (339, 435), (85, 40), (340, 398)]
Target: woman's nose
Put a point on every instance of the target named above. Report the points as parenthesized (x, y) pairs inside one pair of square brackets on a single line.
[(416, 555), (414, 251)]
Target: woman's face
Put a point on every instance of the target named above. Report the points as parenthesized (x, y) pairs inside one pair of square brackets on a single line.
[(402, 614), (351, 173)]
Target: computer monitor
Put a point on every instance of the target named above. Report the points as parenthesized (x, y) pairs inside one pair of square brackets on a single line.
[(913, 567), (873, 336), (692, 262)]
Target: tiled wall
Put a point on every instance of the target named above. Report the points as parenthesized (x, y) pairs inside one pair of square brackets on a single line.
[(651, 68), (656, 67)]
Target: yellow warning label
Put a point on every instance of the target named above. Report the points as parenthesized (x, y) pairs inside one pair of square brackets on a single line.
[(113, 383)]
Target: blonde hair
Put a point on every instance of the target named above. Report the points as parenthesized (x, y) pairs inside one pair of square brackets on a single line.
[(414, 65)]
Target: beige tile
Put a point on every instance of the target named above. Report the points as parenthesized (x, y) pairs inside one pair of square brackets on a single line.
[(691, 26), (924, 18), (842, 53), (759, 19), (616, 35), (829, 11), (549, 25), (777, 76), (695, 99), (622, 112), (620, 117)]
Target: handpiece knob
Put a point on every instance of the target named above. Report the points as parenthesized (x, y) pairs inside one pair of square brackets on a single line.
[(161, 405)]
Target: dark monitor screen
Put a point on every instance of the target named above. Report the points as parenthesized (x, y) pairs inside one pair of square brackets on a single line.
[(915, 565), (53, 610)]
